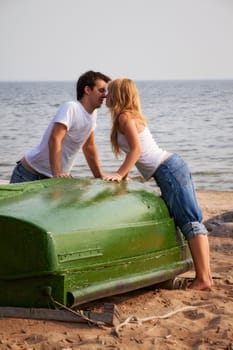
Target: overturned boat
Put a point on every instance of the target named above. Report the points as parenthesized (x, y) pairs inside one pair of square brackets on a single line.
[(75, 240)]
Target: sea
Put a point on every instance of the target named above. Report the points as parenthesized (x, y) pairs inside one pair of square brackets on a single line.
[(191, 118)]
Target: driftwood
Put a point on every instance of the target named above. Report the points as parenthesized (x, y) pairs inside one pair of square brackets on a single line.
[(109, 317), (139, 321)]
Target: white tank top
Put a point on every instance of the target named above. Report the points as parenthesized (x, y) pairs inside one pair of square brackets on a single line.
[(79, 125), (151, 153)]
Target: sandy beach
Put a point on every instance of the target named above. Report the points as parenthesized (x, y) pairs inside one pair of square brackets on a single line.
[(178, 318)]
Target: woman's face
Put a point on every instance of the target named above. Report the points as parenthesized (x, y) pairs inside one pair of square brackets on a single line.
[(108, 99)]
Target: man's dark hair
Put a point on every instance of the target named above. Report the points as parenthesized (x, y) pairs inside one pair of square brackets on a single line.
[(88, 79)]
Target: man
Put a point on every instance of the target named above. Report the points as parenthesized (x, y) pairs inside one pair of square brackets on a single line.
[(71, 129)]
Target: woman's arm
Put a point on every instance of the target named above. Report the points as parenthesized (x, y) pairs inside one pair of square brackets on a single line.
[(127, 126)]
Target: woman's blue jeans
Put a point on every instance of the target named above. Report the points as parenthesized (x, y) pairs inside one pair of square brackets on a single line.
[(175, 182)]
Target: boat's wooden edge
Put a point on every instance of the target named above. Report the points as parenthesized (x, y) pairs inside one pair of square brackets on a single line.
[(110, 315)]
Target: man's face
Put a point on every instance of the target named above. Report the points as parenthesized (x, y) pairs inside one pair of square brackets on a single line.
[(98, 93)]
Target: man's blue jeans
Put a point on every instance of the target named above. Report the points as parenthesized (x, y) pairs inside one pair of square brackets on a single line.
[(21, 174)]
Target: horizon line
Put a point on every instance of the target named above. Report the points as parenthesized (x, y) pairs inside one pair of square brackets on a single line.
[(138, 80)]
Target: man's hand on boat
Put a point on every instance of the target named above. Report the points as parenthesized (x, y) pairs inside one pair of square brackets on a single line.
[(115, 177), (63, 175)]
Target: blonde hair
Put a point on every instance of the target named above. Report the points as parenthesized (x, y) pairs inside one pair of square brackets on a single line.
[(123, 98)]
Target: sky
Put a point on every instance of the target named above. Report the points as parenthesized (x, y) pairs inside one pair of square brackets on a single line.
[(137, 39)]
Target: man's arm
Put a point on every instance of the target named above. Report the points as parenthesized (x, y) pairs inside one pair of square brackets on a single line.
[(91, 155), (55, 149)]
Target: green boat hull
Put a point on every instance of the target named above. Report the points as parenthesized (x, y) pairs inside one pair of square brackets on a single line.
[(76, 240)]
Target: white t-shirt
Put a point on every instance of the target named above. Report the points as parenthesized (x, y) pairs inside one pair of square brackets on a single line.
[(151, 153), (79, 125)]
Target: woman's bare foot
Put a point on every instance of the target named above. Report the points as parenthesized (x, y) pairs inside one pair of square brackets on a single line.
[(201, 285), (199, 247)]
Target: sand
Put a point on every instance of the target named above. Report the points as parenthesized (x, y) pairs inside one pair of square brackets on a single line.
[(195, 320)]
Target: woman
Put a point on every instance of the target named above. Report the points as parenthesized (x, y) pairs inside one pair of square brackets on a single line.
[(131, 135)]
